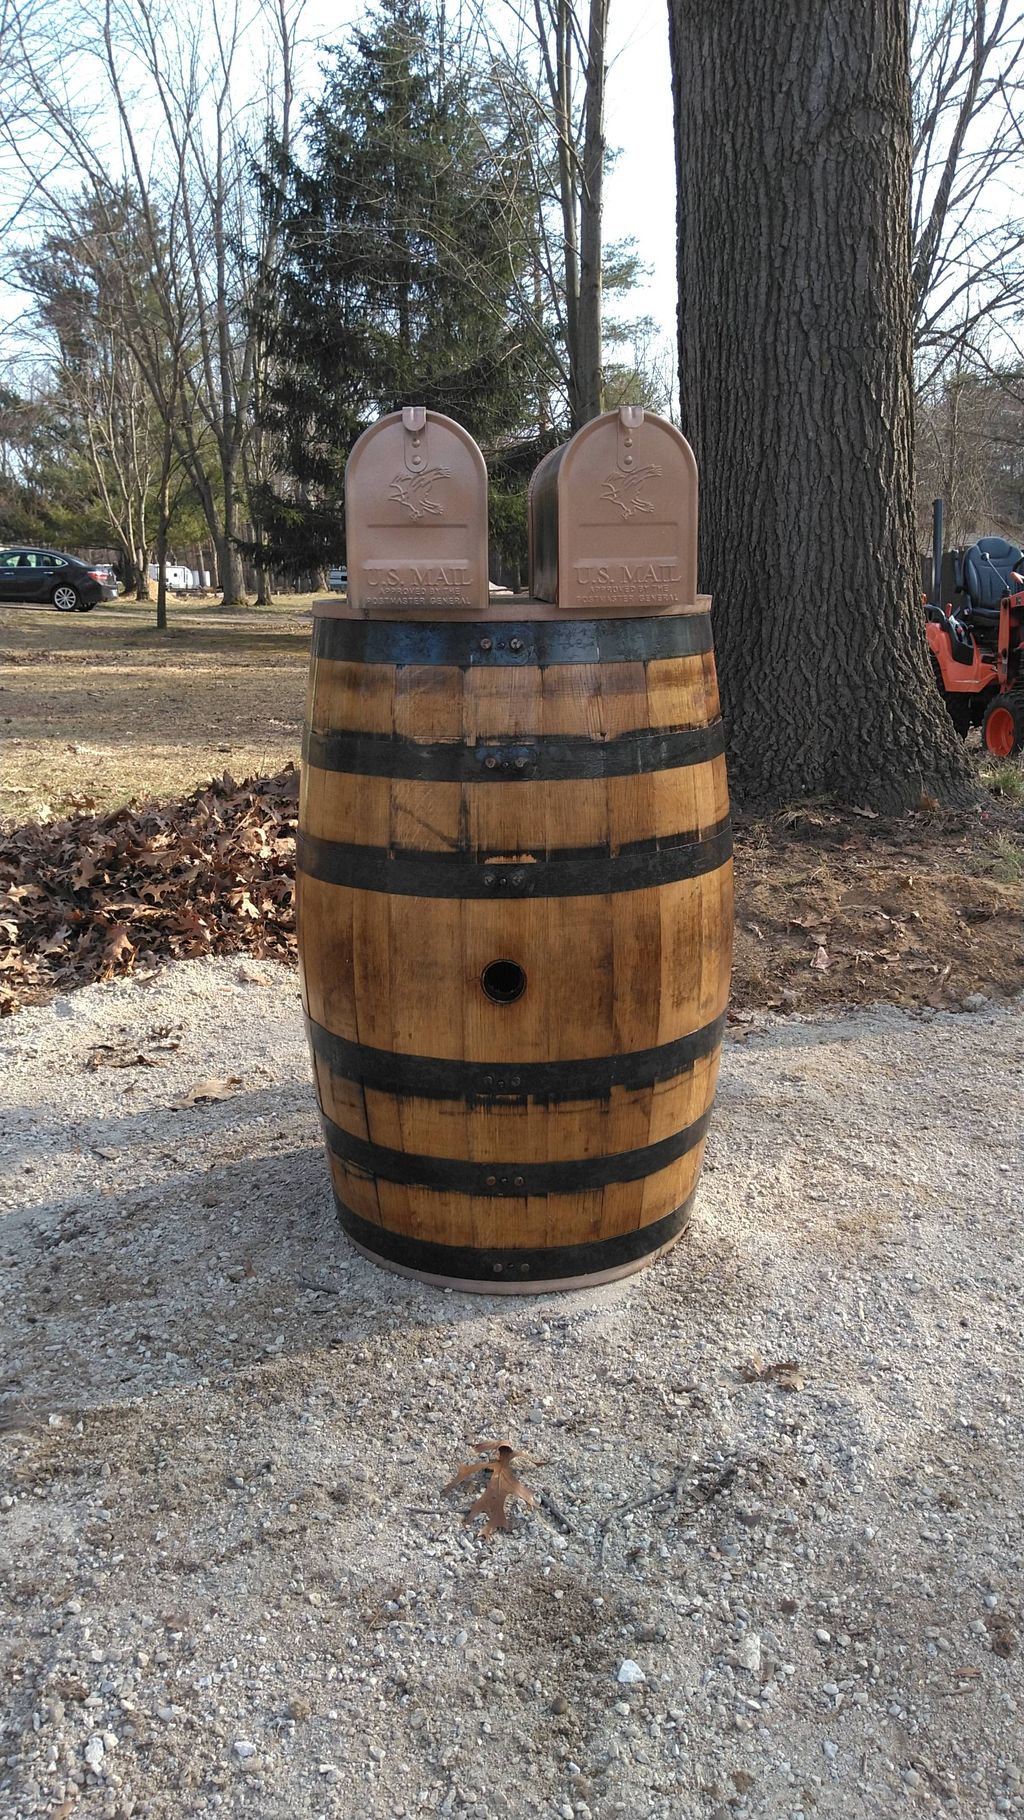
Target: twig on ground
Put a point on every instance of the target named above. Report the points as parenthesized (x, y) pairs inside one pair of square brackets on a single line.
[(666, 1495), (558, 1517)]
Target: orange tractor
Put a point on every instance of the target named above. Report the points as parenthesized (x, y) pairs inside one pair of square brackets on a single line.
[(975, 634)]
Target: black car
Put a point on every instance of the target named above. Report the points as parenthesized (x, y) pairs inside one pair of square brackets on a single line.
[(28, 574)]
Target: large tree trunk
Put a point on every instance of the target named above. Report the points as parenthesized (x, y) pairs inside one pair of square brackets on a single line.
[(793, 145), (140, 564), (162, 530), (590, 386), (229, 560)]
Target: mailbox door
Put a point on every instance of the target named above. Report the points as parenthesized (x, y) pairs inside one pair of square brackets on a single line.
[(416, 515), (627, 515)]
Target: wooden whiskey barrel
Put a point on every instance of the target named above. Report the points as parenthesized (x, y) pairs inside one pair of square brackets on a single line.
[(515, 918)]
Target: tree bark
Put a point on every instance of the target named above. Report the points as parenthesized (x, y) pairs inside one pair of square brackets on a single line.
[(140, 557), (229, 560), (590, 387), (162, 529), (795, 305), (264, 586)]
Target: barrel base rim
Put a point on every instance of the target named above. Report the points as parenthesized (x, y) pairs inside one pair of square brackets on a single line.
[(553, 1286), (472, 1271)]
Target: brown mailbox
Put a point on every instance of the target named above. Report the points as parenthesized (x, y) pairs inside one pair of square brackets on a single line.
[(613, 517), (416, 515)]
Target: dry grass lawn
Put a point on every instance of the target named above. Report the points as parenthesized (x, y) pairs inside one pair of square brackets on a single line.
[(100, 710)]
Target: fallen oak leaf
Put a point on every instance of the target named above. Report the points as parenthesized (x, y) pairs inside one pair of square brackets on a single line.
[(118, 948), (786, 1373), (214, 1088), (503, 1485)]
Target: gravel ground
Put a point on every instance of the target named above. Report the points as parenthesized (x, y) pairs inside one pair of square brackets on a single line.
[(232, 1583)]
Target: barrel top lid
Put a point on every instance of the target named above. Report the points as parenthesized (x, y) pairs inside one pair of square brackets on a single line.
[(416, 515), (613, 516)]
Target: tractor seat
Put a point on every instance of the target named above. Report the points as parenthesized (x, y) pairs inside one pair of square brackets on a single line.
[(988, 575)]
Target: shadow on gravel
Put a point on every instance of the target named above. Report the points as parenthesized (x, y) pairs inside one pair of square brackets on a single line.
[(167, 1132), (196, 1277)]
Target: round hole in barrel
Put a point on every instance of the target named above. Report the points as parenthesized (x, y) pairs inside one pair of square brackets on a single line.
[(504, 982)]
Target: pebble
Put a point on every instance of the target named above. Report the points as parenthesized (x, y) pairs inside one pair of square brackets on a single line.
[(748, 1652), (831, 1749), (630, 1673), (823, 1636), (243, 1749), (911, 1778)]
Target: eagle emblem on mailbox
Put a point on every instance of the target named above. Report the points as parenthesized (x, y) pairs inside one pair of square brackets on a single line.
[(412, 491), (624, 491)]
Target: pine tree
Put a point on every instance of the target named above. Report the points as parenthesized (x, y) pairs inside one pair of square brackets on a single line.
[(406, 244)]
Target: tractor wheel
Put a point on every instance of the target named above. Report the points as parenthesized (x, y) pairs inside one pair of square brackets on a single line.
[(1002, 730)]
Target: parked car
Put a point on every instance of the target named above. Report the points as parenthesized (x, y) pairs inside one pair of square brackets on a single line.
[(104, 572), (28, 574), (337, 580)]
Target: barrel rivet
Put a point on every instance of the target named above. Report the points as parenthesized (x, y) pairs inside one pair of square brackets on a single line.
[(488, 1080), (520, 764), (515, 644), (524, 1270), (515, 1080), (492, 1181), (497, 1268), (518, 1182), (488, 879), (518, 880), (490, 763), (485, 644)]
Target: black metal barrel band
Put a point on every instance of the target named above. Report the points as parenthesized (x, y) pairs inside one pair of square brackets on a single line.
[(530, 643), (441, 1077), (514, 1264), (575, 872), (559, 757), (455, 1175)]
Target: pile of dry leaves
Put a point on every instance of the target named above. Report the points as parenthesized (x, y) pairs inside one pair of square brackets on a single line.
[(98, 895)]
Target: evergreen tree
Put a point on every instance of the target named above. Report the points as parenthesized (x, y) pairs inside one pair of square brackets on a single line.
[(405, 252)]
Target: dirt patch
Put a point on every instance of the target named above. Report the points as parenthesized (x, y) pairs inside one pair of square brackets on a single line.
[(834, 909)]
